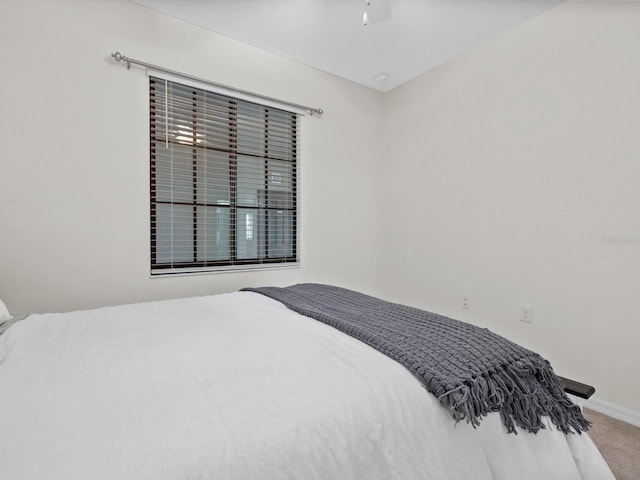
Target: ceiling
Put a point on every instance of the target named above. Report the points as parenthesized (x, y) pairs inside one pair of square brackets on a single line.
[(403, 38)]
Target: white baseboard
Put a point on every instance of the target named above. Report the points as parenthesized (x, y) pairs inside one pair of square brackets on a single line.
[(612, 410)]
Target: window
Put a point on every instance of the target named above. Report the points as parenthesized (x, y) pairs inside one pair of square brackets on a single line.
[(223, 181)]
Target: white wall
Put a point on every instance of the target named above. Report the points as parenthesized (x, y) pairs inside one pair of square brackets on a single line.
[(74, 166), (515, 179)]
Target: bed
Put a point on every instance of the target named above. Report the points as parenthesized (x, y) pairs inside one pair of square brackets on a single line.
[(238, 386)]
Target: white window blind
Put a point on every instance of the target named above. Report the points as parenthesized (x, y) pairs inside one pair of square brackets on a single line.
[(223, 181)]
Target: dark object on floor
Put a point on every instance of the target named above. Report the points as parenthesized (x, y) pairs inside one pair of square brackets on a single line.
[(576, 388)]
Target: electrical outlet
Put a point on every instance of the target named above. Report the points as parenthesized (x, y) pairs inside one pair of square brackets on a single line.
[(466, 302), (526, 314)]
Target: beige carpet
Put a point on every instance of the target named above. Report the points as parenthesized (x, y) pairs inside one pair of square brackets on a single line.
[(619, 443)]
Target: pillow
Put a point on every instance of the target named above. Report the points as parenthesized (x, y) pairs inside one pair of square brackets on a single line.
[(4, 313)]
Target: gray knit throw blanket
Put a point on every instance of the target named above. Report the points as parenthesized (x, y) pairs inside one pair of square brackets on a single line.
[(471, 370)]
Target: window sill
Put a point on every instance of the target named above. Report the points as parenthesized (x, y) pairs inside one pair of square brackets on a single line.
[(169, 273)]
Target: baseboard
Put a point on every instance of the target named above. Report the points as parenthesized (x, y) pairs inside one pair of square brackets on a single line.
[(612, 410)]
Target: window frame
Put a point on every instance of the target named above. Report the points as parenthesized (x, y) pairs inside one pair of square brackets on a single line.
[(233, 262)]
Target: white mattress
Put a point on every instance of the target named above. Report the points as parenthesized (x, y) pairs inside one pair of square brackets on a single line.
[(236, 386)]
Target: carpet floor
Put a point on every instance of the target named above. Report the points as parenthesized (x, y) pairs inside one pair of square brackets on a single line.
[(619, 443)]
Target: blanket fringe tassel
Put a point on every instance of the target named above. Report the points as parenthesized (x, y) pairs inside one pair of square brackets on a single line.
[(523, 392)]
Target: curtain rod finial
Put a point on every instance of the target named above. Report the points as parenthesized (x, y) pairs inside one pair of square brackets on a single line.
[(121, 58)]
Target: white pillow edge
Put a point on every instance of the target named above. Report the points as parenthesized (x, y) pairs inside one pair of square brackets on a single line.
[(4, 312)]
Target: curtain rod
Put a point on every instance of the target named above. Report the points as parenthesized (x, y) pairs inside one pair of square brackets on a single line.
[(121, 58)]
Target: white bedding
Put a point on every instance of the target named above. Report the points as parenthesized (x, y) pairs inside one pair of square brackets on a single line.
[(234, 387)]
